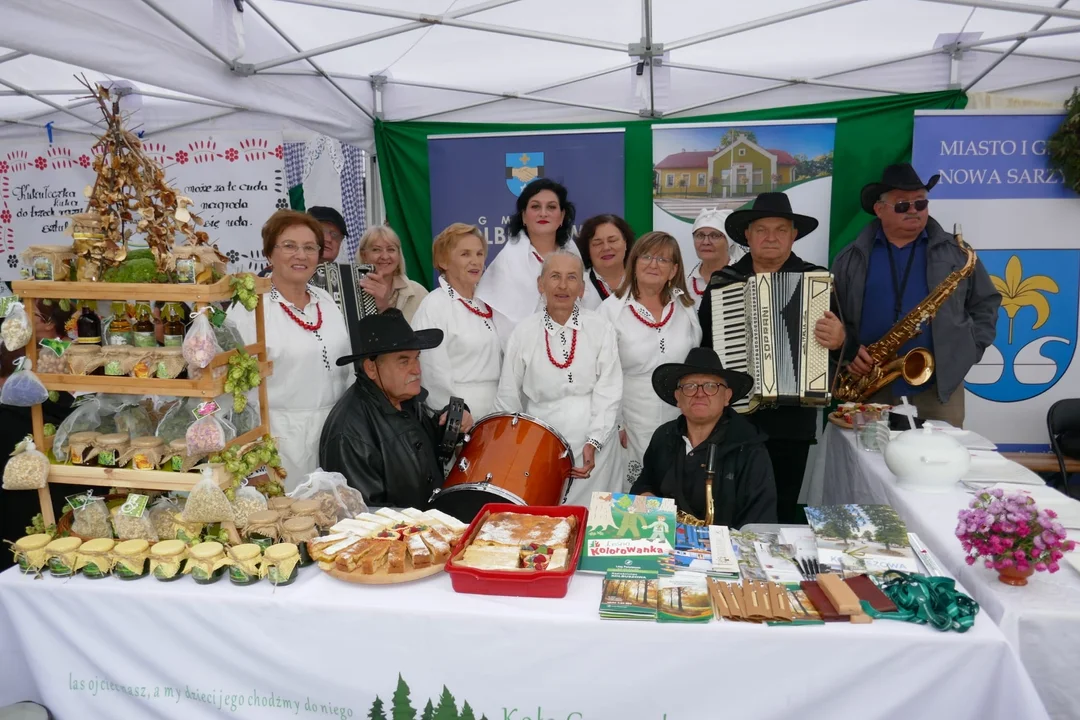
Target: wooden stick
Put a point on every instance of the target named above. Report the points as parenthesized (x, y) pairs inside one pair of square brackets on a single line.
[(260, 340)]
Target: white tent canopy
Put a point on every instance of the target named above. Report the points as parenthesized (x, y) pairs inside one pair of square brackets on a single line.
[(332, 66)]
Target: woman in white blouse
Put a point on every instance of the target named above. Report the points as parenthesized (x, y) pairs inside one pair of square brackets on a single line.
[(468, 361), (305, 335), (713, 248), (542, 224), (656, 323), (389, 285), (562, 366), (604, 242)]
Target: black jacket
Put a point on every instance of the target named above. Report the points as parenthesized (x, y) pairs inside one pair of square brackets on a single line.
[(743, 489), (783, 422), (387, 454)]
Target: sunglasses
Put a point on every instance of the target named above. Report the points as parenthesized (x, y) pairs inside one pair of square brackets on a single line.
[(904, 205)]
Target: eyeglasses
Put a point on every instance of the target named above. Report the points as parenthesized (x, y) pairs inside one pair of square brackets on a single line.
[(904, 205), (290, 248), (710, 388), (661, 261), (711, 237)]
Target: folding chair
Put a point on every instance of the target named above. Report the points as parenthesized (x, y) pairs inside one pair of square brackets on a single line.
[(1063, 417)]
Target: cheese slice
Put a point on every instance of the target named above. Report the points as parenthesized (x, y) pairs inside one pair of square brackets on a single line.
[(484, 557), (380, 520), (448, 520), (393, 515), (360, 527)]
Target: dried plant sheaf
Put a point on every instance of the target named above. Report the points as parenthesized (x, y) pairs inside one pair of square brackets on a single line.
[(131, 195)]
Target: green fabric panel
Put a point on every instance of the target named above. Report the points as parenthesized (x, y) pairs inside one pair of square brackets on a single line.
[(870, 134), (296, 198)]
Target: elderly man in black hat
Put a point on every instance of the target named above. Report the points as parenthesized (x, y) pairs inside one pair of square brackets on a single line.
[(676, 462), (380, 435), (770, 228), (892, 266)]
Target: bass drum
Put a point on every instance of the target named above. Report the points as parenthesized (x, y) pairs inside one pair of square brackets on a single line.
[(507, 457)]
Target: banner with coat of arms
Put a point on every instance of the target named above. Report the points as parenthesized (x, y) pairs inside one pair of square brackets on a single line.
[(476, 179), (1020, 218)]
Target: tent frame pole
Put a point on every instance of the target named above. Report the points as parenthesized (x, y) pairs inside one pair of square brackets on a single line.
[(196, 121), (12, 56), (1015, 46), (791, 80), (1032, 83), (281, 33), (370, 37), (759, 23), (46, 101), (182, 27), (1013, 7)]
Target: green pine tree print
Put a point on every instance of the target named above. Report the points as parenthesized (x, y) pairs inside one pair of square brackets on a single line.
[(429, 712), (402, 708), (446, 709), (376, 712), (466, 712)]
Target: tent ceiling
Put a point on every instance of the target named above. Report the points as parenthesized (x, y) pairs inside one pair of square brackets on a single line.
[(332, 65)]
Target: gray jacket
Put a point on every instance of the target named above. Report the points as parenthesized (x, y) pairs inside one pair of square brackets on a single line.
[(963, 327)]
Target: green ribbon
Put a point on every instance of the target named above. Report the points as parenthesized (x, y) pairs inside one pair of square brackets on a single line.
[(925, 600)]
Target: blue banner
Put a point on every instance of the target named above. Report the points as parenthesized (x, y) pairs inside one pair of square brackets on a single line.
[(477, 179), (987, 156)]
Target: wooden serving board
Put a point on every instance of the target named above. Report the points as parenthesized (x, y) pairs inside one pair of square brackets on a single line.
[(384, 576), (839, 421)]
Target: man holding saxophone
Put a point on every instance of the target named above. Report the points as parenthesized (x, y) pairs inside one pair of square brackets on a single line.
[(905, 260)]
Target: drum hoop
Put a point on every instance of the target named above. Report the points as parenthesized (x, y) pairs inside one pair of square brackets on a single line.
[(538, 421), (485, 487)]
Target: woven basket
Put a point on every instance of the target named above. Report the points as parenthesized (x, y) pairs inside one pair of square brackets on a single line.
[(63, 525)]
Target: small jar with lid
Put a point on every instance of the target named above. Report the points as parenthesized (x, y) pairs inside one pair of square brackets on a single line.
[(304, 508), (245, 564), (283, 505), (298, 530), (262, 528), (169, 362), (145, 336), (168, 559), (131, 559), (30, 552), (206, 562), (95, 558), (281, 563), (110, 447), (145, 453), (81, 447), (61, 555)]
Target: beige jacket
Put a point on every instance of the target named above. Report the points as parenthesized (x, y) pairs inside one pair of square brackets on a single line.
[(407, 296)]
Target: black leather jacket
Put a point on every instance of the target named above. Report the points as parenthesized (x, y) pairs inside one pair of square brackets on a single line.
[(387, 454)]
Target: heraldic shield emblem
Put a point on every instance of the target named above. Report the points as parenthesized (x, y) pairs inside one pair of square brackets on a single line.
[(522, 168)]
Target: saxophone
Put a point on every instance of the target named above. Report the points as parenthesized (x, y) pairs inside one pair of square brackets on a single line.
[(917, 366)]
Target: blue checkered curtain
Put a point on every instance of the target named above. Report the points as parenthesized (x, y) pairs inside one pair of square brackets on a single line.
[(294, 163), (352, 196)]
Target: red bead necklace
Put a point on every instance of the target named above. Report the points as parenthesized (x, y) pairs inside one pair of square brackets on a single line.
[(699, 292), (486, 315), (310, 327), (693, 280), (662, 323), (573, 350)]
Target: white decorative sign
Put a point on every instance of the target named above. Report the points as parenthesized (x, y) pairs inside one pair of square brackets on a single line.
[(237, 181)]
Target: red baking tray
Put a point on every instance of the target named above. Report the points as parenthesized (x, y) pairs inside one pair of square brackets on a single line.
[(544, 584)]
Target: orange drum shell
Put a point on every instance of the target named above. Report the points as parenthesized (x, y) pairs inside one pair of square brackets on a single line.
[(524, 458)]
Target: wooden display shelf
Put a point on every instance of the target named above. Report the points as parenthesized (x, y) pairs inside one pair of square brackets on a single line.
[(205, 387), (220, 291), (163, 480)]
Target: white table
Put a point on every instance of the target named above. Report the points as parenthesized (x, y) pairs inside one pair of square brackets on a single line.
[(325, 642), (1041, 620)]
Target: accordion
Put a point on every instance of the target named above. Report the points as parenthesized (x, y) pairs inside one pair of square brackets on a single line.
[(342, 282), (764, 326)]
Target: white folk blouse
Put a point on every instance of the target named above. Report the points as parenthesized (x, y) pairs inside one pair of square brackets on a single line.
[(468, 361), (641, 350), (580, 400), (307, 381)]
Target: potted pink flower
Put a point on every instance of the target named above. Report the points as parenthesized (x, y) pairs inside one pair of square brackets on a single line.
[(1012, 535)]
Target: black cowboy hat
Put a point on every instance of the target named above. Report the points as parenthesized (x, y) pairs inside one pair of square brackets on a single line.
[(700, 360), (767, 205), (895, 177), (329, 215), (389, 332)]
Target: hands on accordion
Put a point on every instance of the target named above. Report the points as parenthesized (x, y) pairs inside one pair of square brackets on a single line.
[(763, 325)]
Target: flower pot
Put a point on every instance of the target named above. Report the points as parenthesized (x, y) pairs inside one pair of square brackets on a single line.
[(1012, 576)]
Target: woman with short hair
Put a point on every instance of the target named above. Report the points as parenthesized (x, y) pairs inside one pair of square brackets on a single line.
[(604, 243), (541, 224), (467, 362), (305, 335), (388, 284), (655, 323)]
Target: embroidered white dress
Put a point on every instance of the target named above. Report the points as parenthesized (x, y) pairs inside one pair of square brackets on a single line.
[(467, 362), (641, 350), (509, 283), (696, 282), (593, 298), (580, 401), (307, 381)]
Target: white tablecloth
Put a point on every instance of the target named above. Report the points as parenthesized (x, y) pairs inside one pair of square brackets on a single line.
[(1041, 620), (332, 648)]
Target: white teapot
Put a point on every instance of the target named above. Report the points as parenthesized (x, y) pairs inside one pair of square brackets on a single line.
[(927, 461)]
